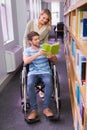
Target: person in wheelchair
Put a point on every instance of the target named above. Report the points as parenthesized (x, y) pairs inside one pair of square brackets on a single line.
[(39, 68)]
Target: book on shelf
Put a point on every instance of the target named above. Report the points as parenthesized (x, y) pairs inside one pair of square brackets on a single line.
[(83, 28), (77, 62), (79, 101), (81, 67), (78, 93), (83, 75), (51, 48), (82, 113), (81, 107), (81, 14), (73, 47), (83, 62)]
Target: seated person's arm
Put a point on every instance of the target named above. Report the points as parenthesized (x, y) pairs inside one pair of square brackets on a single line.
[(29, 59)]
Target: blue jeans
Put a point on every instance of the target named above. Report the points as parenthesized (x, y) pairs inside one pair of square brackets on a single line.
[(47, 81)]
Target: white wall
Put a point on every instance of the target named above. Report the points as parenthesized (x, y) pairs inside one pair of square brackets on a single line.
[(3, 73), (61, 12), (2, 57), (21, 18), (19, 23)]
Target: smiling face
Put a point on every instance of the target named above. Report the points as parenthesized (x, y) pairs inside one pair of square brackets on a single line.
[(33, 39), (43, 19), (35, 42)]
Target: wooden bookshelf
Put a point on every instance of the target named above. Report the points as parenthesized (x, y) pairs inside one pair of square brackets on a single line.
[(75, 13)]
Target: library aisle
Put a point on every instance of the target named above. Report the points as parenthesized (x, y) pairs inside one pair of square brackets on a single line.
[(11, 116)]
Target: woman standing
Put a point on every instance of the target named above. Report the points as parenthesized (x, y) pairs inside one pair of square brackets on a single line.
[(42, 25)]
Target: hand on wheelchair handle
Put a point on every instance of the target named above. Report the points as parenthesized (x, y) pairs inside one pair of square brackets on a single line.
[(52, 57)]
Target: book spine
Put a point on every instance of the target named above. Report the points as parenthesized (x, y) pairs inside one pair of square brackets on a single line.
[(81, 15), (73, 47), (81, 67), (86, 84), (84, 28)]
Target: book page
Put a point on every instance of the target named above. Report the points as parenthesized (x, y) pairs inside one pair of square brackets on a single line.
[(51, 49)]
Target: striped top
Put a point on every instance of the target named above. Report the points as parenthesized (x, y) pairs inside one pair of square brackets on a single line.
[(40, 65)]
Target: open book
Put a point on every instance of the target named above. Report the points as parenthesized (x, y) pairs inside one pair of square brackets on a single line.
[(51, 49)]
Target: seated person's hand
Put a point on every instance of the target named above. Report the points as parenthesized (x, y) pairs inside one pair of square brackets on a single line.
[(52, 57), (42, 52)]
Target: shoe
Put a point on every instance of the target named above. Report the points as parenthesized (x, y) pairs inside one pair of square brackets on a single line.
[(33, 117), (48, 113)]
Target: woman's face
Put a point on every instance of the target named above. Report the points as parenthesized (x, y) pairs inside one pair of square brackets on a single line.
[(44, 19)]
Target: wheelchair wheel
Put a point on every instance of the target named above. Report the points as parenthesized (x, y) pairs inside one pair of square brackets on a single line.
[(24, 101), (56, 90)]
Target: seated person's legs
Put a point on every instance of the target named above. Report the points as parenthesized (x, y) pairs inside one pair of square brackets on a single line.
[(32, 79), (48, 82)]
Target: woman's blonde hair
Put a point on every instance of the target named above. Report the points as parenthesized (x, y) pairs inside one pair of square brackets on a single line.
[(48, 13)]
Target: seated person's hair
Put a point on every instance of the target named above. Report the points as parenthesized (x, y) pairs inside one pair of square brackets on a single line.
[(31, 35)]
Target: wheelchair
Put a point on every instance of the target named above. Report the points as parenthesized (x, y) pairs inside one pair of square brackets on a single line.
[(40, 87)]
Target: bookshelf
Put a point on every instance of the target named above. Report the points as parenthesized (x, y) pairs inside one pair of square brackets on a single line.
[(75, 41)]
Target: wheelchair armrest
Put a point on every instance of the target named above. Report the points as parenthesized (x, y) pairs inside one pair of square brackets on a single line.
[(26, 68)]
